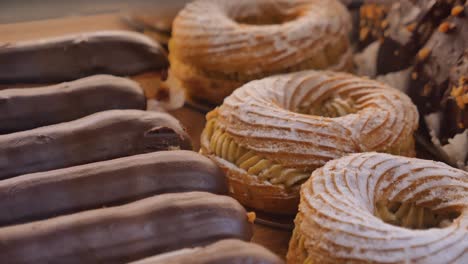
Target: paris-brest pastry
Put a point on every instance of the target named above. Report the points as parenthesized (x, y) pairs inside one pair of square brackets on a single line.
[(270, 134), (218, 45)]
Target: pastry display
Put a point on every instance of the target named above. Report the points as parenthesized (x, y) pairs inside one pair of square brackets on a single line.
[(379, 208), (270, 134), (218, 45), (228, 251), (74, 56), (28, 108), (117, 181), (101, 136), (129, 232), (307, 113)]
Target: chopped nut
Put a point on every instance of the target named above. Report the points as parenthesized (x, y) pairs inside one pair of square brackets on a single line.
[(251, 217), (424, 53), (426, 90), (460, 102), (457, 10), (456, 91), (363, 34), (384, 24), (461, 125), (411, 27), (462, 80), (444, 27), (414, 75)]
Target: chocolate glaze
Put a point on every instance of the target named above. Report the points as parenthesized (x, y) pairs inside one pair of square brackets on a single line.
[(125, 233), (433, 72), (455, 119), (101, 136), (27, 108), (75, 56), (410, 24), (228, 251), (106, 183)]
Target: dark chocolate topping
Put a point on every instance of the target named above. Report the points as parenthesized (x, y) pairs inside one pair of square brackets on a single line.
[(101, 136), (439, 66), (27, 108), (455, 101), (125, 233), (410, 25), (228, 251), (107, 183), (67, 58)]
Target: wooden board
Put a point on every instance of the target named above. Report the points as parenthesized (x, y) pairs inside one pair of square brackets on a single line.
[(273, 238)]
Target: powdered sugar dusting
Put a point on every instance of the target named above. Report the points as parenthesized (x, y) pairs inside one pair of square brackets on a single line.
[(333, 211), (263, 116)]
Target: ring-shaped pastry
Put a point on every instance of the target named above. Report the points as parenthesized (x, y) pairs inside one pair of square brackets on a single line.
[(380, 208), (218, 45), (270, 134)]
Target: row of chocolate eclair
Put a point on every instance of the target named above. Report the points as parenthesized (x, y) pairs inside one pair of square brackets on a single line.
[(81, 155)]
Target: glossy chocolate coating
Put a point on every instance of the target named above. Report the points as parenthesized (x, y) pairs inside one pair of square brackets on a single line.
[(28, 108), (228, 251), (411, 23), (46, 194), (101, 136), (70, 57), (129, 232), (444, 50)]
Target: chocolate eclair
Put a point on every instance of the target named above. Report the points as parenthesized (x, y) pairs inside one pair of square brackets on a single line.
[(129, 232), (46, 194), (74, 56), (28, 108), (101, 136), (227, 251)]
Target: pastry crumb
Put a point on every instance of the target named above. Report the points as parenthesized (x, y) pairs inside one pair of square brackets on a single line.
[(251, 216)]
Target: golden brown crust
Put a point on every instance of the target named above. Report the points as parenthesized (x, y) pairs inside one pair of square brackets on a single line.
[(274, 132), (339, 218), (218, 45)]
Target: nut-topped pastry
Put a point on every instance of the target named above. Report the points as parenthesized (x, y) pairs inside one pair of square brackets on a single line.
[(218, 45), (270, 134)]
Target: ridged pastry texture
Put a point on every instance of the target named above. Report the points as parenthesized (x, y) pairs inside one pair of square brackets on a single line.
[(272, 133), (338, 219), (218, 45)]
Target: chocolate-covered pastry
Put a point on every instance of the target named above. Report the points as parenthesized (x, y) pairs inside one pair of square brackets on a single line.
[(455, 101), (101, 136), (27, 108), (438, 70), (74, 56), (125, 233), (228, 251), (409, 25), (52, 193)]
